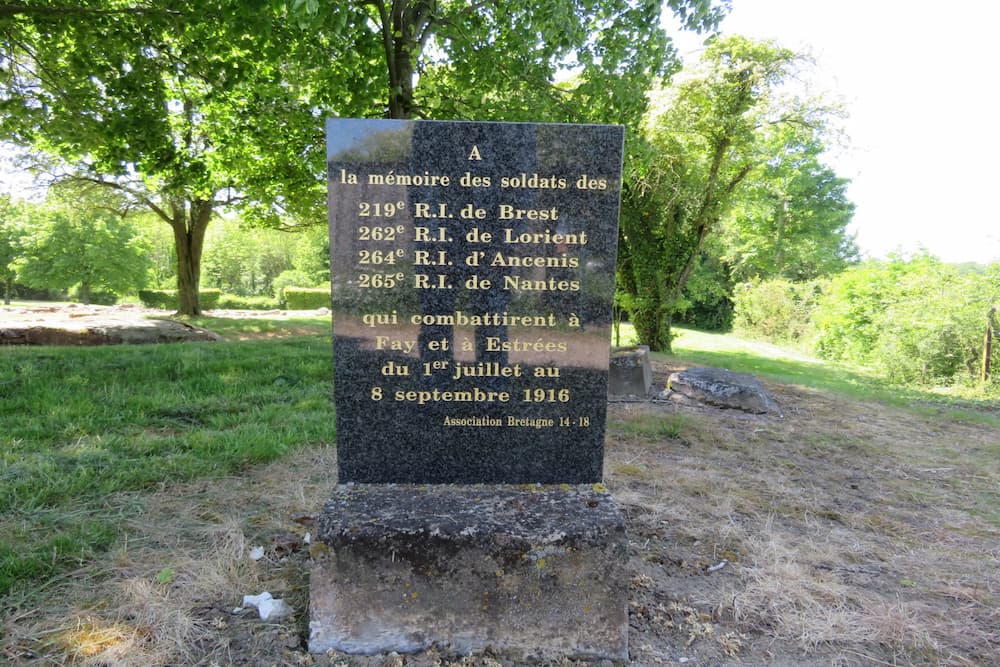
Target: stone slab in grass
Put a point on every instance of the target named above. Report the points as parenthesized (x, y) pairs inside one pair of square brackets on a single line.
[(101, 330), (722, 388)]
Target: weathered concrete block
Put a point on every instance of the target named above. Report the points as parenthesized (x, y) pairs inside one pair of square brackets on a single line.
[(535, 573), (630, 372)]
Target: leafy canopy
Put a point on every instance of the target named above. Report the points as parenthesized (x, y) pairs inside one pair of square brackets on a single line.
[(709, 135)]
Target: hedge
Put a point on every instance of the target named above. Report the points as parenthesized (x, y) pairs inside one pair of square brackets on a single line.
[(166, 299), (776, 310), (237, 302), (307, 298)]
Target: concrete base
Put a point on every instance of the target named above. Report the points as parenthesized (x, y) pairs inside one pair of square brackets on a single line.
[(534, 573), (630, 372)]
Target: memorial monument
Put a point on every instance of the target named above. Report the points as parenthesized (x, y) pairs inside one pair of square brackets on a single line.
[(472, 270)]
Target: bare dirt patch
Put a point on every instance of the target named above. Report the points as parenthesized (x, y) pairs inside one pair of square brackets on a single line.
[(78, 324), (840, 533)]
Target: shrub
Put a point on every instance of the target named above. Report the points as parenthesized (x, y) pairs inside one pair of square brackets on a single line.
[(307, 298), (156, 298), (776, 310), (209, 298), (97, 297), (915, 321), (166, 299), (290, 278), (236, 302)]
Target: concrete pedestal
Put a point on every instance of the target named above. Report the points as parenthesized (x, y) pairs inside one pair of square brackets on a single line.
[(630, 372), (534, 573)]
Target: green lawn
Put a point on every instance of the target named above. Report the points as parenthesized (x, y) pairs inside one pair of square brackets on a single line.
[(81, 425)]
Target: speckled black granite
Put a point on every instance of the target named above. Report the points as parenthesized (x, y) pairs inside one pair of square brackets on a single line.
[(404, 254), (570, 515)]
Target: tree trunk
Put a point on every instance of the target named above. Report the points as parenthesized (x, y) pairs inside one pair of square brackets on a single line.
[(988, 345), (779, 237), (190, 221), (8, 288), (84, 293), (405, 28)]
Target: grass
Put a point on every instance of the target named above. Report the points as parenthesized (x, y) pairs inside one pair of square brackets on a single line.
[(84, 425), (790, 366), (857, 528), (261, 327)]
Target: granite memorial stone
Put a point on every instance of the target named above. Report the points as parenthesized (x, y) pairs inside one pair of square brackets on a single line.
[(472, 271), (473, 274)]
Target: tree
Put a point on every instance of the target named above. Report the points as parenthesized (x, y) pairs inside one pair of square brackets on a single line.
[(914, 320), (11, 235), (93, 250), (189, 115), (791, 220), (500, 61), (713, 130), (182, 114), (245, 261)]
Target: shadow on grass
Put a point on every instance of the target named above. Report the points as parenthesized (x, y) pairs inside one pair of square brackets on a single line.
[(252, 327), (86, 426)]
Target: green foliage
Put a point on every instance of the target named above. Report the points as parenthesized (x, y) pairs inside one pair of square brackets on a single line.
[(179, 112), (311, 256), (791, 220), (214, 103), (99, 297), (78, 433), (245, 261), (707, 299), (776, 310), (291, 278), (167, 299), (73, 245), (307, 298), (707, 135), (12, 233), (499, 61), (793, 367), (237, 302), (916, 321)]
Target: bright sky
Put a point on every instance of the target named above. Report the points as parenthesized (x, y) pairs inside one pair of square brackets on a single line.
[(920, 83)]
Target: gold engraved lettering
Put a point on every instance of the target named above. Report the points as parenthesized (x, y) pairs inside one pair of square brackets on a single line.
[(558, 262), (502, 319), (474, 395), (530, 422), (551, 285), (497, 344), (473, 421), (534, 181), (546, 237), (508, 212), (485, 369), (423, 180)]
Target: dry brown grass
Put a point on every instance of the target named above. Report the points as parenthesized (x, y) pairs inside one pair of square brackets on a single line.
[(842, 533), (852, 533)]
